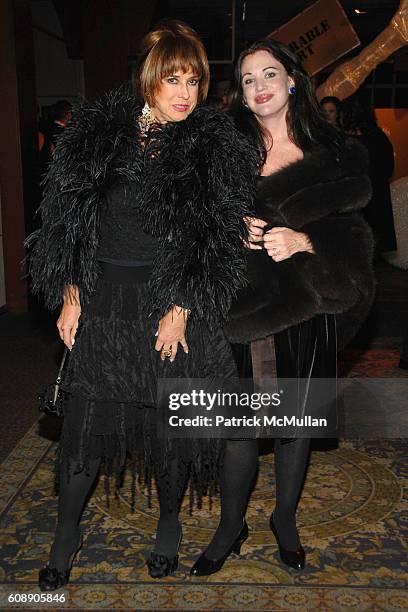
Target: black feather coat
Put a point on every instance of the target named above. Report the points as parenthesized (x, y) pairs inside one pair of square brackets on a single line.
[(195, 181), (320, 195)]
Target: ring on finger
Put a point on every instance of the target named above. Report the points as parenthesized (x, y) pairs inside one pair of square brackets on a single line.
[(166, 352)]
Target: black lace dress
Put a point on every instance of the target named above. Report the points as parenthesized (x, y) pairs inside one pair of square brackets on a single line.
[(113, 368)]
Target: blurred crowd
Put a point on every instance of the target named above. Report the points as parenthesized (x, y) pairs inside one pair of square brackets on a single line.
[(358, 120), (51, 123)]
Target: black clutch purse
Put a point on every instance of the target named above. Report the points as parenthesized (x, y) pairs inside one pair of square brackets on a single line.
[(52, 398)]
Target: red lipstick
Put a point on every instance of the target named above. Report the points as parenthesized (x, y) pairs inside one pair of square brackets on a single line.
[(262, 98)]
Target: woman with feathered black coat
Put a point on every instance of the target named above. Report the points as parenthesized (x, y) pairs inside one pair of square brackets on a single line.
[(141, 241), (311, 282)]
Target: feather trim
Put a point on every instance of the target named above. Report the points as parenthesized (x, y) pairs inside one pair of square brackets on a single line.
[(195, 182), (96, 148), (199, 187)]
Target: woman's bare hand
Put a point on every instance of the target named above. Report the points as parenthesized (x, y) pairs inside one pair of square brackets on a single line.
[(171, 332), (283, 242), (255, 230), (68, 320)]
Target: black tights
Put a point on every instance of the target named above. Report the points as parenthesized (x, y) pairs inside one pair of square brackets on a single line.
[(291, 459), (237, 476), (236, 479), (73, 496), (170, 485)]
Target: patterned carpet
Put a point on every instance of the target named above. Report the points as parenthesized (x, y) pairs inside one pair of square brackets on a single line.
[(352, 515)]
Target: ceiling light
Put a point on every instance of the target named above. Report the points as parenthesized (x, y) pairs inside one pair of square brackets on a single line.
[(360, 12)]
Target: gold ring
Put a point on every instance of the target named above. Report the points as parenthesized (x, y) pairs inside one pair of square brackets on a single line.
[(166, 353)]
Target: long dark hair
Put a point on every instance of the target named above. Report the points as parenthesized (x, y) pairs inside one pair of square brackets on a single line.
[(307, 126)]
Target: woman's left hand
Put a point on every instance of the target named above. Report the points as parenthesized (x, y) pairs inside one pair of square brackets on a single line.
[(283, 242)]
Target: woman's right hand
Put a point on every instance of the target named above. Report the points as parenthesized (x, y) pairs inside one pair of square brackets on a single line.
[(255, 231), (68, 320), (171, 332)]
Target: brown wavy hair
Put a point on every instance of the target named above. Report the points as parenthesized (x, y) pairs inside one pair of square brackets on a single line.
[(170, 47)]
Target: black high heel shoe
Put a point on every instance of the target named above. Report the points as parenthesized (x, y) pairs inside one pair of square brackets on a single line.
[(51, 579), (160, 566), (292, 558), (205, 567)]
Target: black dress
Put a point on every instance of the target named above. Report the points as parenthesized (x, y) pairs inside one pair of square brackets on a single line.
[(113, 368)]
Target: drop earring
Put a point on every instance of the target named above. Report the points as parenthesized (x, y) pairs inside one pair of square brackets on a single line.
[(292, 90), (145, 119)]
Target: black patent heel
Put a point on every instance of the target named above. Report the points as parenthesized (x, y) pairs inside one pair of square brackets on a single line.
[(205, 567), (292, 558), (236, 549)]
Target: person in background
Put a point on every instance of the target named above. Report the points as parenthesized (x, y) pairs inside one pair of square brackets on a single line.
[(216, 102), (331, 107), (360, 122), (62, 112), (41, 137), (59, 116)]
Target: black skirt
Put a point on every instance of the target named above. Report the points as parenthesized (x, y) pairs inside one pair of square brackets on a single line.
[(306, 351), (111, 384)]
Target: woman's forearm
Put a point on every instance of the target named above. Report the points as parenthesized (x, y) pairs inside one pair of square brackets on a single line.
[(307, 245), (71, 295)]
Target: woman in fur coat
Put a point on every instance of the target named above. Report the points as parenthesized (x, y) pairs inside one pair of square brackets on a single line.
[(142, 244), (309, 266)]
